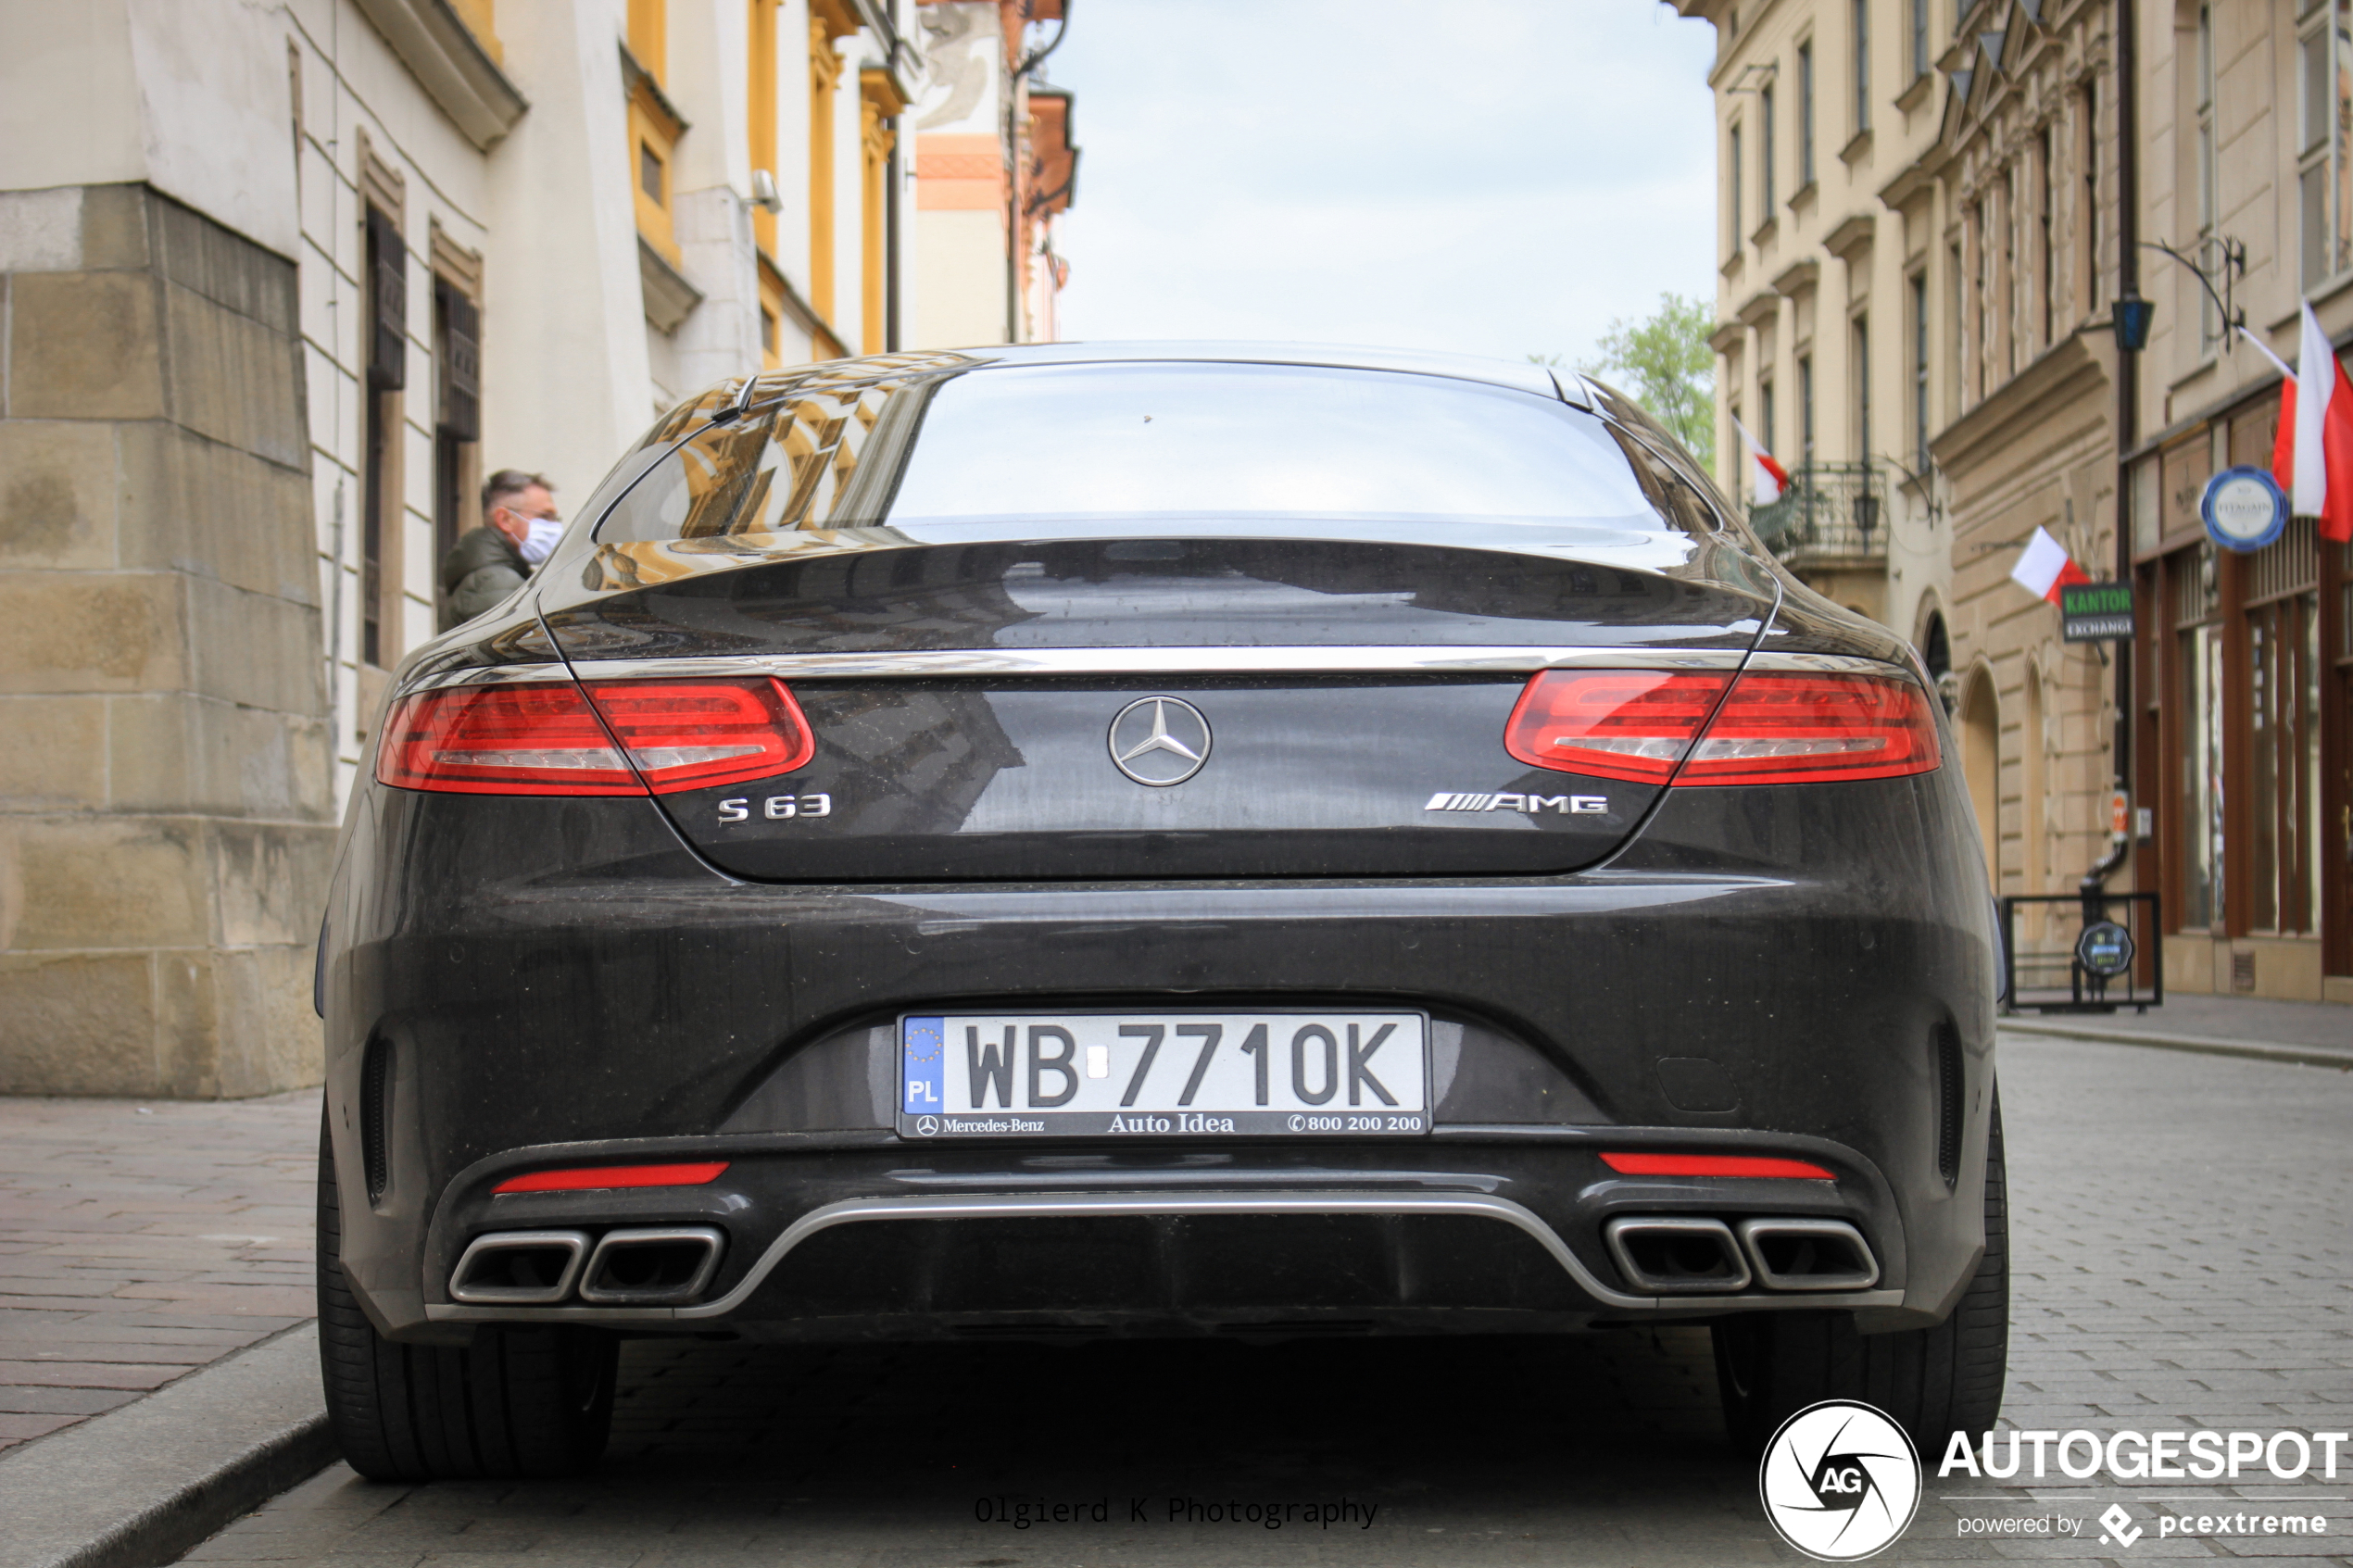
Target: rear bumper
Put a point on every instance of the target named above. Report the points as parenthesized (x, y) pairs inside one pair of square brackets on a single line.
[(557, 983), (1473, 1229)]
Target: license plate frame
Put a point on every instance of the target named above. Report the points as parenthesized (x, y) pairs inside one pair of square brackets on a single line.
[(926, 1089)]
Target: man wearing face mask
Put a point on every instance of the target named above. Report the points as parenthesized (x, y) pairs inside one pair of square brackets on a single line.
[(492, 561)]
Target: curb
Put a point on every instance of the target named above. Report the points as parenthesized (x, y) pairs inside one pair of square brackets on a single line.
[(2199, 1044), (140, 1486)]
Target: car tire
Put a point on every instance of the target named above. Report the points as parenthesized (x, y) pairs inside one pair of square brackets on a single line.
[(1934, 1381), (518, 1403)]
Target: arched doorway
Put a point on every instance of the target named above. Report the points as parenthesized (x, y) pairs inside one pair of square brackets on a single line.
[(1982, 764)]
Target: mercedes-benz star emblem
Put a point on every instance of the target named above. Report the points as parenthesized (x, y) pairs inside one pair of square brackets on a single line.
[(1159, 740)]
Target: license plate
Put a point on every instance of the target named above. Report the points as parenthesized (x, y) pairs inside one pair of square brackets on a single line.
[(1164, 1075)]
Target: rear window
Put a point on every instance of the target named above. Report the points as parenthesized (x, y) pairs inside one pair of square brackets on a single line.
[(1129, 446)]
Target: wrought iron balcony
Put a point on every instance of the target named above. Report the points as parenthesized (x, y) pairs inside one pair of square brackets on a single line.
[(1833, 514)]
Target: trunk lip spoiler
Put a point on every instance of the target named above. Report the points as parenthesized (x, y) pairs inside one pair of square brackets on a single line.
[(1315, 660)]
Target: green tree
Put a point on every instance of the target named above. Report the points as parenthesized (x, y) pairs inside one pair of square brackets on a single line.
[(1665, 364)]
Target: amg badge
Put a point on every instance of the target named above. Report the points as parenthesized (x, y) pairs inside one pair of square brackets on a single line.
[(1567, 805)]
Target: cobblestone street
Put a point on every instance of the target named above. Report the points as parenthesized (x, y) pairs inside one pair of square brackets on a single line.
[(140, 1241), (2184, 1262)]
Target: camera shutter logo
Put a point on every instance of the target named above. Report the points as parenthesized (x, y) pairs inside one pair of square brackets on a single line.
[(1840, 1481)]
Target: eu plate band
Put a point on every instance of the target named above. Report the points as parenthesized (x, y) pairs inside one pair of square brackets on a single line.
[(859, 1210)]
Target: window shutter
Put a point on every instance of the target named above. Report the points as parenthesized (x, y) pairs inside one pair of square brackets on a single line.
[(388, 346), (460, 365)]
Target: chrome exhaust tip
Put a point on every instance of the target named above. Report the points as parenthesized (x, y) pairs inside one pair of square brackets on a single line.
[(652, 1266), (1810, 1254), (519, 1268), (1677, 1255)]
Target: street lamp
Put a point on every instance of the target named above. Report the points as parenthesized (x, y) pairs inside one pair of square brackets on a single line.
[(2131, 316)]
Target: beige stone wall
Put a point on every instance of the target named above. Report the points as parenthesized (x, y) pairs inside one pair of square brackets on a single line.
[(165, 819)]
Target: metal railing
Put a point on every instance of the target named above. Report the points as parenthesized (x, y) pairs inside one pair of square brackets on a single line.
[(2042, 970), (1833, 514)]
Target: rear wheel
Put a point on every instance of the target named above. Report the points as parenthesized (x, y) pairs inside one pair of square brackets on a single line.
[(1934, 1381), (518, 1402)]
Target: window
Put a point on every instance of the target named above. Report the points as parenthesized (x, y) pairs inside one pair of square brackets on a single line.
[(2324, 178), (1732, 162), (2087, 223), (2209, 325), (1804, 115), (1919, 39), (2201, 642), (380, 412), (2044, 253), (1254, 446), (1862, 378), (650, 174), (768, 345), (457, 427), (1920, 371), (1959, 324), (1769, 419), (1806, 408), (1862, 65), (2008, 324), (1764, 148)]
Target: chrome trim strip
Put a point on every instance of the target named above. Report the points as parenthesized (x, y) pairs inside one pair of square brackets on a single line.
[(1310, 659), (1318, 658), (487, 675), (1056, 1205), (1830, 664), (1165, 661)]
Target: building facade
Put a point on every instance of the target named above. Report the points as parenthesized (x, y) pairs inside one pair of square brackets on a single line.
[(2004, 170), (283, 282)]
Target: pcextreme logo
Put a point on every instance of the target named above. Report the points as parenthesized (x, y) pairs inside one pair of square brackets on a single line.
[(1840, 1481)]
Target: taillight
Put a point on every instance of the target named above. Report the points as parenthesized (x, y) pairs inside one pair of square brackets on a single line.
[(1632, 724), (1772, 727), (547, 740)]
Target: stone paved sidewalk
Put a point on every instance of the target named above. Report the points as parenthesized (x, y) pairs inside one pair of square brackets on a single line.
[(140, 1241)]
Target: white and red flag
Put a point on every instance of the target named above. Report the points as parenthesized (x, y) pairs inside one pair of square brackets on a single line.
[(2312, 457), (2044, 567), (1768, 479)]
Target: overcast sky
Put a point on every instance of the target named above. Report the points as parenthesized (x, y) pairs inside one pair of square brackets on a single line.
[(1496, 176)]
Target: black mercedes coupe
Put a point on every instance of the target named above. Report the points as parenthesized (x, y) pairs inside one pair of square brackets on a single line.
[(1076, 841)]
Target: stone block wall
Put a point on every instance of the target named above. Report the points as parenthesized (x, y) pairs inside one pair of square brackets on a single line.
[(165, 799)]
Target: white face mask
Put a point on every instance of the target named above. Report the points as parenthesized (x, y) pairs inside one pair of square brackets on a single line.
[(540, 543)]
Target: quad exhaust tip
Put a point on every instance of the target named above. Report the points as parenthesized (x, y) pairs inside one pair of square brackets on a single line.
[(519, 1268), (1691, 1255), (1681, 1255), (651, 1266), (1810, 1254)]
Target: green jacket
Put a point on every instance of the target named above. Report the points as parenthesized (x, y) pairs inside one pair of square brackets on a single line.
[(481, 569)]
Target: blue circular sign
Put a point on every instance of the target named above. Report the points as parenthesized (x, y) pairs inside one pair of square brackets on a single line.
[(2244, 509)]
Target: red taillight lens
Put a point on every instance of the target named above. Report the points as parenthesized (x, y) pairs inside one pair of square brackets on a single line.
[(1795, 729), (1631, 724), (1770, 728), (546, 739), (1716, 1165), (594, 1178), (694, 736)]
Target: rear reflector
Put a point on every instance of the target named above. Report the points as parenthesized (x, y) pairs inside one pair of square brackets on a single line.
[(549, 740), (1770, 728), (598, 1177), (1712, 1165)]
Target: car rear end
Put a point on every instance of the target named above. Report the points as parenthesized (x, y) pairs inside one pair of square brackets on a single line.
[(940, 856)]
